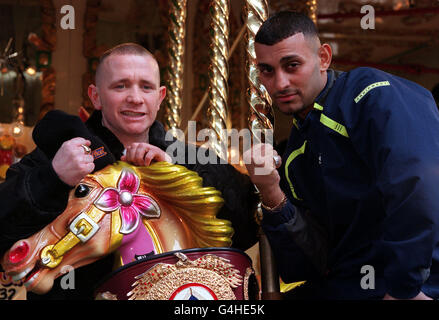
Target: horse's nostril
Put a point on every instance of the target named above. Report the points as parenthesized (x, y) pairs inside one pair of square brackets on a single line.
[(18, 253)]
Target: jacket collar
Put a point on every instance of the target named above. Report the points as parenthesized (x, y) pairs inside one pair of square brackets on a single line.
[(94, 124), (332, 76)]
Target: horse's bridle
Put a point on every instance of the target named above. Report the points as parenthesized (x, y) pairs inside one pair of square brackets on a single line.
[(82, 229)]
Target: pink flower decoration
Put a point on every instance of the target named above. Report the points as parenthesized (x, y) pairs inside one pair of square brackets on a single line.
[(130, 203)]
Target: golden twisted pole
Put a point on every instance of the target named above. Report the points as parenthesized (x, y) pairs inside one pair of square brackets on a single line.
[(261, 111), (261, 119), (218, 75), (206, 94), (174, 78)]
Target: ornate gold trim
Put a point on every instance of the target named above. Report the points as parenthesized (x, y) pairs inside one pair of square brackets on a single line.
[(163, 281), (248, 272)]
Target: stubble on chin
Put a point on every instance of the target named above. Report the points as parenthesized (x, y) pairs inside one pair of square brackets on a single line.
[(287, 110), (294, 110)]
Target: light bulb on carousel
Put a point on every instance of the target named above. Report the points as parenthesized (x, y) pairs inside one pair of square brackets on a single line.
[(18, 126), (17, 129), (31, 71)]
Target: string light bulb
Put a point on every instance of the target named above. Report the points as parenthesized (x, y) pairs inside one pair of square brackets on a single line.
[(31, 71), (312, 6), (17, 129)]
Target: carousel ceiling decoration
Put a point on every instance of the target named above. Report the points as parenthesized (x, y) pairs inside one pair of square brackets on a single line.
[(404, 41)]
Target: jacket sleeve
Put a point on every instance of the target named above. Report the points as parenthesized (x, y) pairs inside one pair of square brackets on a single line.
[(31, 196), (299, 245), (395, 130)]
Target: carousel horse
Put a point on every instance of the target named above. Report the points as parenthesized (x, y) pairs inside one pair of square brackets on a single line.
[(127, 210)]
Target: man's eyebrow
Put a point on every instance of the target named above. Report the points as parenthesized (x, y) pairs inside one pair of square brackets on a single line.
[(290, 57), (149, 82), (119, 80), (282, 60), (263, 65)]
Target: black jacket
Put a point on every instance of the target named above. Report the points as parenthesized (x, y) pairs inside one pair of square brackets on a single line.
[(33, 195)]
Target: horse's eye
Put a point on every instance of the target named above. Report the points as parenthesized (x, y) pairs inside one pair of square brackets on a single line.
[(82, 191)]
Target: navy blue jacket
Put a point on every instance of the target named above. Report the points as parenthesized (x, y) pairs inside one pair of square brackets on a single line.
[(361, 174)]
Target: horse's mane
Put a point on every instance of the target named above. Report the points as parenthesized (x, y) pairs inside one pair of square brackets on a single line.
[(181, 189)]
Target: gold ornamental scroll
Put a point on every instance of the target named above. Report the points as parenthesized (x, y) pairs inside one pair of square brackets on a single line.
[(174, 75), (261, 122), (218, 75)]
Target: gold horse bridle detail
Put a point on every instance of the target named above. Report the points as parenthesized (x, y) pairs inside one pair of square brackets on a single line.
[(82, 229)]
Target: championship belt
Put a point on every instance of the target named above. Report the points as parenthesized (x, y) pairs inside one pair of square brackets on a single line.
[(190, 274)]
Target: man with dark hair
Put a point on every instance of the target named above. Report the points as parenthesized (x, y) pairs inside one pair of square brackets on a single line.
[(353, 208), (126, 97)]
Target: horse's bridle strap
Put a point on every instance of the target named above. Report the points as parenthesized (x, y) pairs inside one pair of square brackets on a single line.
[(82, 228)]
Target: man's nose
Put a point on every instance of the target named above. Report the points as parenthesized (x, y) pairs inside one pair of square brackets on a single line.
[(281, 81), (134, 96)]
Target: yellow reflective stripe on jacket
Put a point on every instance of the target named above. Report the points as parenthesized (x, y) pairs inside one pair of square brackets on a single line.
[(317, 106), (331, 124), (370, 87), (291, 157)]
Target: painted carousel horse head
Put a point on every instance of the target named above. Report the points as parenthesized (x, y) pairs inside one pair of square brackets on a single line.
[(129, 210)]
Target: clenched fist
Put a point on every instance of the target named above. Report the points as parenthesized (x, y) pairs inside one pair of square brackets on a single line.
[(261, 161), (71, 163)]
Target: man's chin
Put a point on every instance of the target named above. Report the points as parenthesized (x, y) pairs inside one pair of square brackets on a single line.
[(138, 129), (290, 109)]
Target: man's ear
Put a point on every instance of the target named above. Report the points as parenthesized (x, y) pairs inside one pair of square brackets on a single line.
[(325, 55), (93, 94), (162, 95)]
